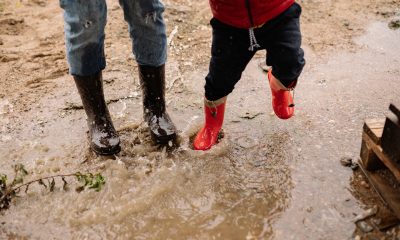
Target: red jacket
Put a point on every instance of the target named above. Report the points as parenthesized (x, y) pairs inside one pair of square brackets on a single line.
[(236, 12)]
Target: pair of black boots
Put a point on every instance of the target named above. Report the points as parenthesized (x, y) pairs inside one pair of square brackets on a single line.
[(104, 139)]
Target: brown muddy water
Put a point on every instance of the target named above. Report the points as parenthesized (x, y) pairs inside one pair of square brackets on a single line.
[(267, 179)]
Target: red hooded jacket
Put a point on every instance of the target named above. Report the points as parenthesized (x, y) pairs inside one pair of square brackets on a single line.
[(248, 13)]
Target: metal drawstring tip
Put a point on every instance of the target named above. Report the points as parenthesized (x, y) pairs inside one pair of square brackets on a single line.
[(254, 46), (253, 40)]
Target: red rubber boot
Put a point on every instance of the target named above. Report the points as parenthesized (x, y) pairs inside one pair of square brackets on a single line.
[(214, 117), (282, 99)]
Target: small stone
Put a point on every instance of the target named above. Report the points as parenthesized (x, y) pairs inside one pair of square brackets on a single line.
[(395, 24), (346, 161), (136, 140), (365, 227), (366, 214), (354, 166), (376, 221), (309, 209), (364, 184), (40, 162), (250, 115)]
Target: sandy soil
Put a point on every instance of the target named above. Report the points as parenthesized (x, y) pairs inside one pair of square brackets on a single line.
[(42, 124), (31, 38)]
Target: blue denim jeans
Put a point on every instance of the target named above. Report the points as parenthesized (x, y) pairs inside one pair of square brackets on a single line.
[(85, 21)]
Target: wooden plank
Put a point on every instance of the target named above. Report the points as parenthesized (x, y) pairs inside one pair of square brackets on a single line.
[(388, 221), (369, 158), (395, 109), (390, 195), (390, 141), (374, 129), (390, 164)]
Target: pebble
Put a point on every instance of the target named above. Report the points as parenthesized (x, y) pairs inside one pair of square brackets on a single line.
[(366, 214), (354, 166), (40, 162), (365, 227), (364, 184), (346, 161), (394, 24)]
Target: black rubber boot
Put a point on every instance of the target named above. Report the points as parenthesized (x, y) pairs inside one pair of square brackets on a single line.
[(104, 140), (152, 80)]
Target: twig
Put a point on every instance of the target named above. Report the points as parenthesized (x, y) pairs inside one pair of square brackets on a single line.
[(171, 35), (370, 212), (7, 193), (173, 82), (72, 106)]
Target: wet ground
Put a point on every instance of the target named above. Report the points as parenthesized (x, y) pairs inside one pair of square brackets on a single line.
[(267, 179)]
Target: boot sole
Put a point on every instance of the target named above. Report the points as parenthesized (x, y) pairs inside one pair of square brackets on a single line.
[(164, 139), (107, 152)]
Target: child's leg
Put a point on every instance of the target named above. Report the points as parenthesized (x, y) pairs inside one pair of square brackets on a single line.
[(283, 46), (282, 39), (230, 56)]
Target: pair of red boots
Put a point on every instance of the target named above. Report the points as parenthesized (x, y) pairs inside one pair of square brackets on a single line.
[(282, 103)]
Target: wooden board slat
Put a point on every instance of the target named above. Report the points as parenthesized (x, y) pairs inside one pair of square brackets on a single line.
[(388, 222), (369, 158), (390, 141), (395, 109), (390, 164), (390, 195), (374, 129)]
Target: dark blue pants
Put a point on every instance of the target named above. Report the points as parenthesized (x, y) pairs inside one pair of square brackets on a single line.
[(230, 52)]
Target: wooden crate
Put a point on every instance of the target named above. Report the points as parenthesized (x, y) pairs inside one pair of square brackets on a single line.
[(373, 158)]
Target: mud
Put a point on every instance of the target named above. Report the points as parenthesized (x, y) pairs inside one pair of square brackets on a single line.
[(266, 179)]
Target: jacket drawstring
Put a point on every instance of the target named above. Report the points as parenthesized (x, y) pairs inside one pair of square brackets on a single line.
[(253, 41)]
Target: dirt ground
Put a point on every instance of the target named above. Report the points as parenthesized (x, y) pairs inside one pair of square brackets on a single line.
[(267, 179)]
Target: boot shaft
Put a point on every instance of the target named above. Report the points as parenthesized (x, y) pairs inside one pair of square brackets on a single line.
[(214, 111), (282, 99), (152, 81), (104, 139), (90, 89)]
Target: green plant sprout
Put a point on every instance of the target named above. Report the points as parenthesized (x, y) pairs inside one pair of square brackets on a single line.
[(10, 190)]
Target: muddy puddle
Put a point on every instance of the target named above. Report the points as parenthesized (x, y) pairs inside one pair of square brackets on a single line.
[(267, 179)]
